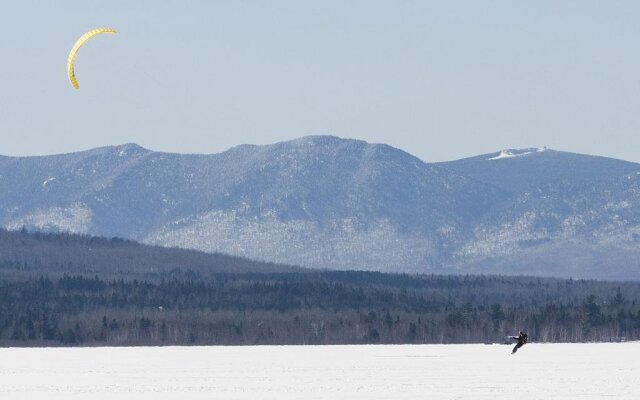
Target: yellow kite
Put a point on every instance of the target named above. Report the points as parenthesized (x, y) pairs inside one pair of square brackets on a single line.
[(74, 50)]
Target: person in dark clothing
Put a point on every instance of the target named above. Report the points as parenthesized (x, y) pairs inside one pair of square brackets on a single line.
[(522, 339)]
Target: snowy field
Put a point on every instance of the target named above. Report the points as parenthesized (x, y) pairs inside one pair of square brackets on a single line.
[(538, 371)]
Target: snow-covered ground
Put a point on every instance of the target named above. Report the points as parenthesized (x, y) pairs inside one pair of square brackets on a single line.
[(538, 371)]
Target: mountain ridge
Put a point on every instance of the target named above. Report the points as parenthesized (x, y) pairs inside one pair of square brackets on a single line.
[(328, 202)]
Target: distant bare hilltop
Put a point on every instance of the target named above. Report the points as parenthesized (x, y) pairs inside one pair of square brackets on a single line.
[(322, 201)]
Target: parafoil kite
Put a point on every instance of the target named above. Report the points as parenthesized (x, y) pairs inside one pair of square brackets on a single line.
[(74, 50)]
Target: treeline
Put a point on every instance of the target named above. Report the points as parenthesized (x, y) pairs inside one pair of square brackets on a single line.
[(64, 289), (312, 308)]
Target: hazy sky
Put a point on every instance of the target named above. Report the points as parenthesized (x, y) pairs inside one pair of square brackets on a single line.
[(441, 80)]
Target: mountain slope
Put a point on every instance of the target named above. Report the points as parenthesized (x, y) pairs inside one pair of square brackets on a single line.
[(518, 171), (72, 253), (566, 212), (322, 201), (316, 201)]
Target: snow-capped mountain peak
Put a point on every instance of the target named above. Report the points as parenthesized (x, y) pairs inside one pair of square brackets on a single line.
[(510, 153)]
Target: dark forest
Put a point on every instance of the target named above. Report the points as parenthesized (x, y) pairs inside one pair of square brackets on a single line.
[(88, 303)]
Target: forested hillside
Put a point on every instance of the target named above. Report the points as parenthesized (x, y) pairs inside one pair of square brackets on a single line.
[(36, 252)]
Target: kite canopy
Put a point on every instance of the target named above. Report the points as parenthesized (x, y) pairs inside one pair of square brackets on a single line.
[(74, 50)]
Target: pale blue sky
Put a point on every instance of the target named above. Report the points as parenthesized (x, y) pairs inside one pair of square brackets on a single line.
[(441, 80)]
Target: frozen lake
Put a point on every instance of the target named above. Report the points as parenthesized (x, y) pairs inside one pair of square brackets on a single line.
[(538, 371)]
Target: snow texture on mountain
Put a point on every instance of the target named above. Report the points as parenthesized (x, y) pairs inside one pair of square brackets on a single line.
[(327, 202)]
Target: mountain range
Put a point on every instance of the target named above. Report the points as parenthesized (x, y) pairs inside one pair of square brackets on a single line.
[(327, 202)]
